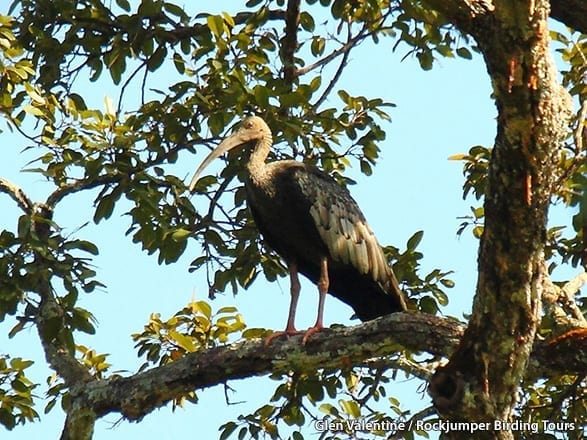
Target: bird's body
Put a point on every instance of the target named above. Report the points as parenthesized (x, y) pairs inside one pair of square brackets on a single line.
[(315, 225), (304, 215)]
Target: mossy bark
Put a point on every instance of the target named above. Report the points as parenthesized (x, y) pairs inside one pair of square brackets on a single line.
[(480, 383)]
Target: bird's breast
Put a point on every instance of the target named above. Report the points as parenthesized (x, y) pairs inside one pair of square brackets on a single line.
[(282, 212)]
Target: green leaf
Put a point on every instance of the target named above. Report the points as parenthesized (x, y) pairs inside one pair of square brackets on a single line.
[(157, 58), (428, 305), (463, 52), (414, 240), (181, 234), (81, 320), (83, 245), (175, 10), (124, 4), (203, 307), (426, 59), (185, 342), (216, 25), (227, 429), (105, 207), (351, 408), (317, 46), (307, 21)]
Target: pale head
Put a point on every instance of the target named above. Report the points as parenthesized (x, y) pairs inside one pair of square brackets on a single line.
[(252, 129)]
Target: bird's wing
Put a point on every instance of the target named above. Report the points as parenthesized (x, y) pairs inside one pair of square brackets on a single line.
[(342, 225)]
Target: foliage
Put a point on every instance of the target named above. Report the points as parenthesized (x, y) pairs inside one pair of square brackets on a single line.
[(16, 392), (194, 328), (195, 76)]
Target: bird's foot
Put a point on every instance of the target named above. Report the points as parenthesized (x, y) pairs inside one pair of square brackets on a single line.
[(287, 332), (310, 332), (293, 332)]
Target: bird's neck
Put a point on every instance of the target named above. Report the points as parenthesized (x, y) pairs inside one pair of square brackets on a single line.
[(260, 152)]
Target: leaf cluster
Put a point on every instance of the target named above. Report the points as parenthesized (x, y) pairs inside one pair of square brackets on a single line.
[(16, 392)]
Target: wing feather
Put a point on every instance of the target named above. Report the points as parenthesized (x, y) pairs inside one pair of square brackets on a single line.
[(342, 225)]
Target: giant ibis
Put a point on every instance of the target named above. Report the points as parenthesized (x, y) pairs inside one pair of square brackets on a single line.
[(315, 225)]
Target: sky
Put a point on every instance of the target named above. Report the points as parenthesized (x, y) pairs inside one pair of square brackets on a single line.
[(414, 187)]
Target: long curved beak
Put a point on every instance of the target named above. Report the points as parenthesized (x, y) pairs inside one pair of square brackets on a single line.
[(227, 144)]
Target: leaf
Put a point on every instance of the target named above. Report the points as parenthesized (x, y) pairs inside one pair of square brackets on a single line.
[(463, 52), (156, 60), (296, 435), (227, 429), (350, 407), (203, 307), (83, 245), (175, 10), (124, 4), (317, 46), (329, 409), (426, 59), (105, 207), (109, 106), (81, 320), (181, 234), (307, 21), (415, 240), (35, 111), (428, 305), (215, 24), (185, 342)]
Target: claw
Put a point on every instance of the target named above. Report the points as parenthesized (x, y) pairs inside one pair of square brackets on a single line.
[(310, 332), (287, 332)]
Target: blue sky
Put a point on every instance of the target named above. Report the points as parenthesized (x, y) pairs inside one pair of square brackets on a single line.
[(414, 186)]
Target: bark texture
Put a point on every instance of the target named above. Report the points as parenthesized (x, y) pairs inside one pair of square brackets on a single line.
[(480, 382)]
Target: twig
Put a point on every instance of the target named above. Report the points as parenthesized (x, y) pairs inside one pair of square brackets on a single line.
[(127, 82), (345, 48), (80, 185), (337, 74)]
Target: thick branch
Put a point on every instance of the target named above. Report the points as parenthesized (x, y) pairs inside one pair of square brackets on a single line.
[(137, 395), (572, 13), (49, 320), (290, 41)]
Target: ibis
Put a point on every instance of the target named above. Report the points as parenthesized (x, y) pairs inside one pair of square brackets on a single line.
[(315, 225)]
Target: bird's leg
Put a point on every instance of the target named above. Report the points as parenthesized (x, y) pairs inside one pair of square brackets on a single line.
[(294, 291), (323, 285)]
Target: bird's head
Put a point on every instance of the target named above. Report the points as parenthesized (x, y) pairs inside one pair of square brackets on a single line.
[(251, 129)]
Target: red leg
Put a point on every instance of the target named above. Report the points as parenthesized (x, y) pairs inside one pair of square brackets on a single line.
[(290, 328), (323, 285)]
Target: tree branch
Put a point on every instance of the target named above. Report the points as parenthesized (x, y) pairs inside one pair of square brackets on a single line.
[(481, 380), (289, 44), (17, 194), (135, 396)]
